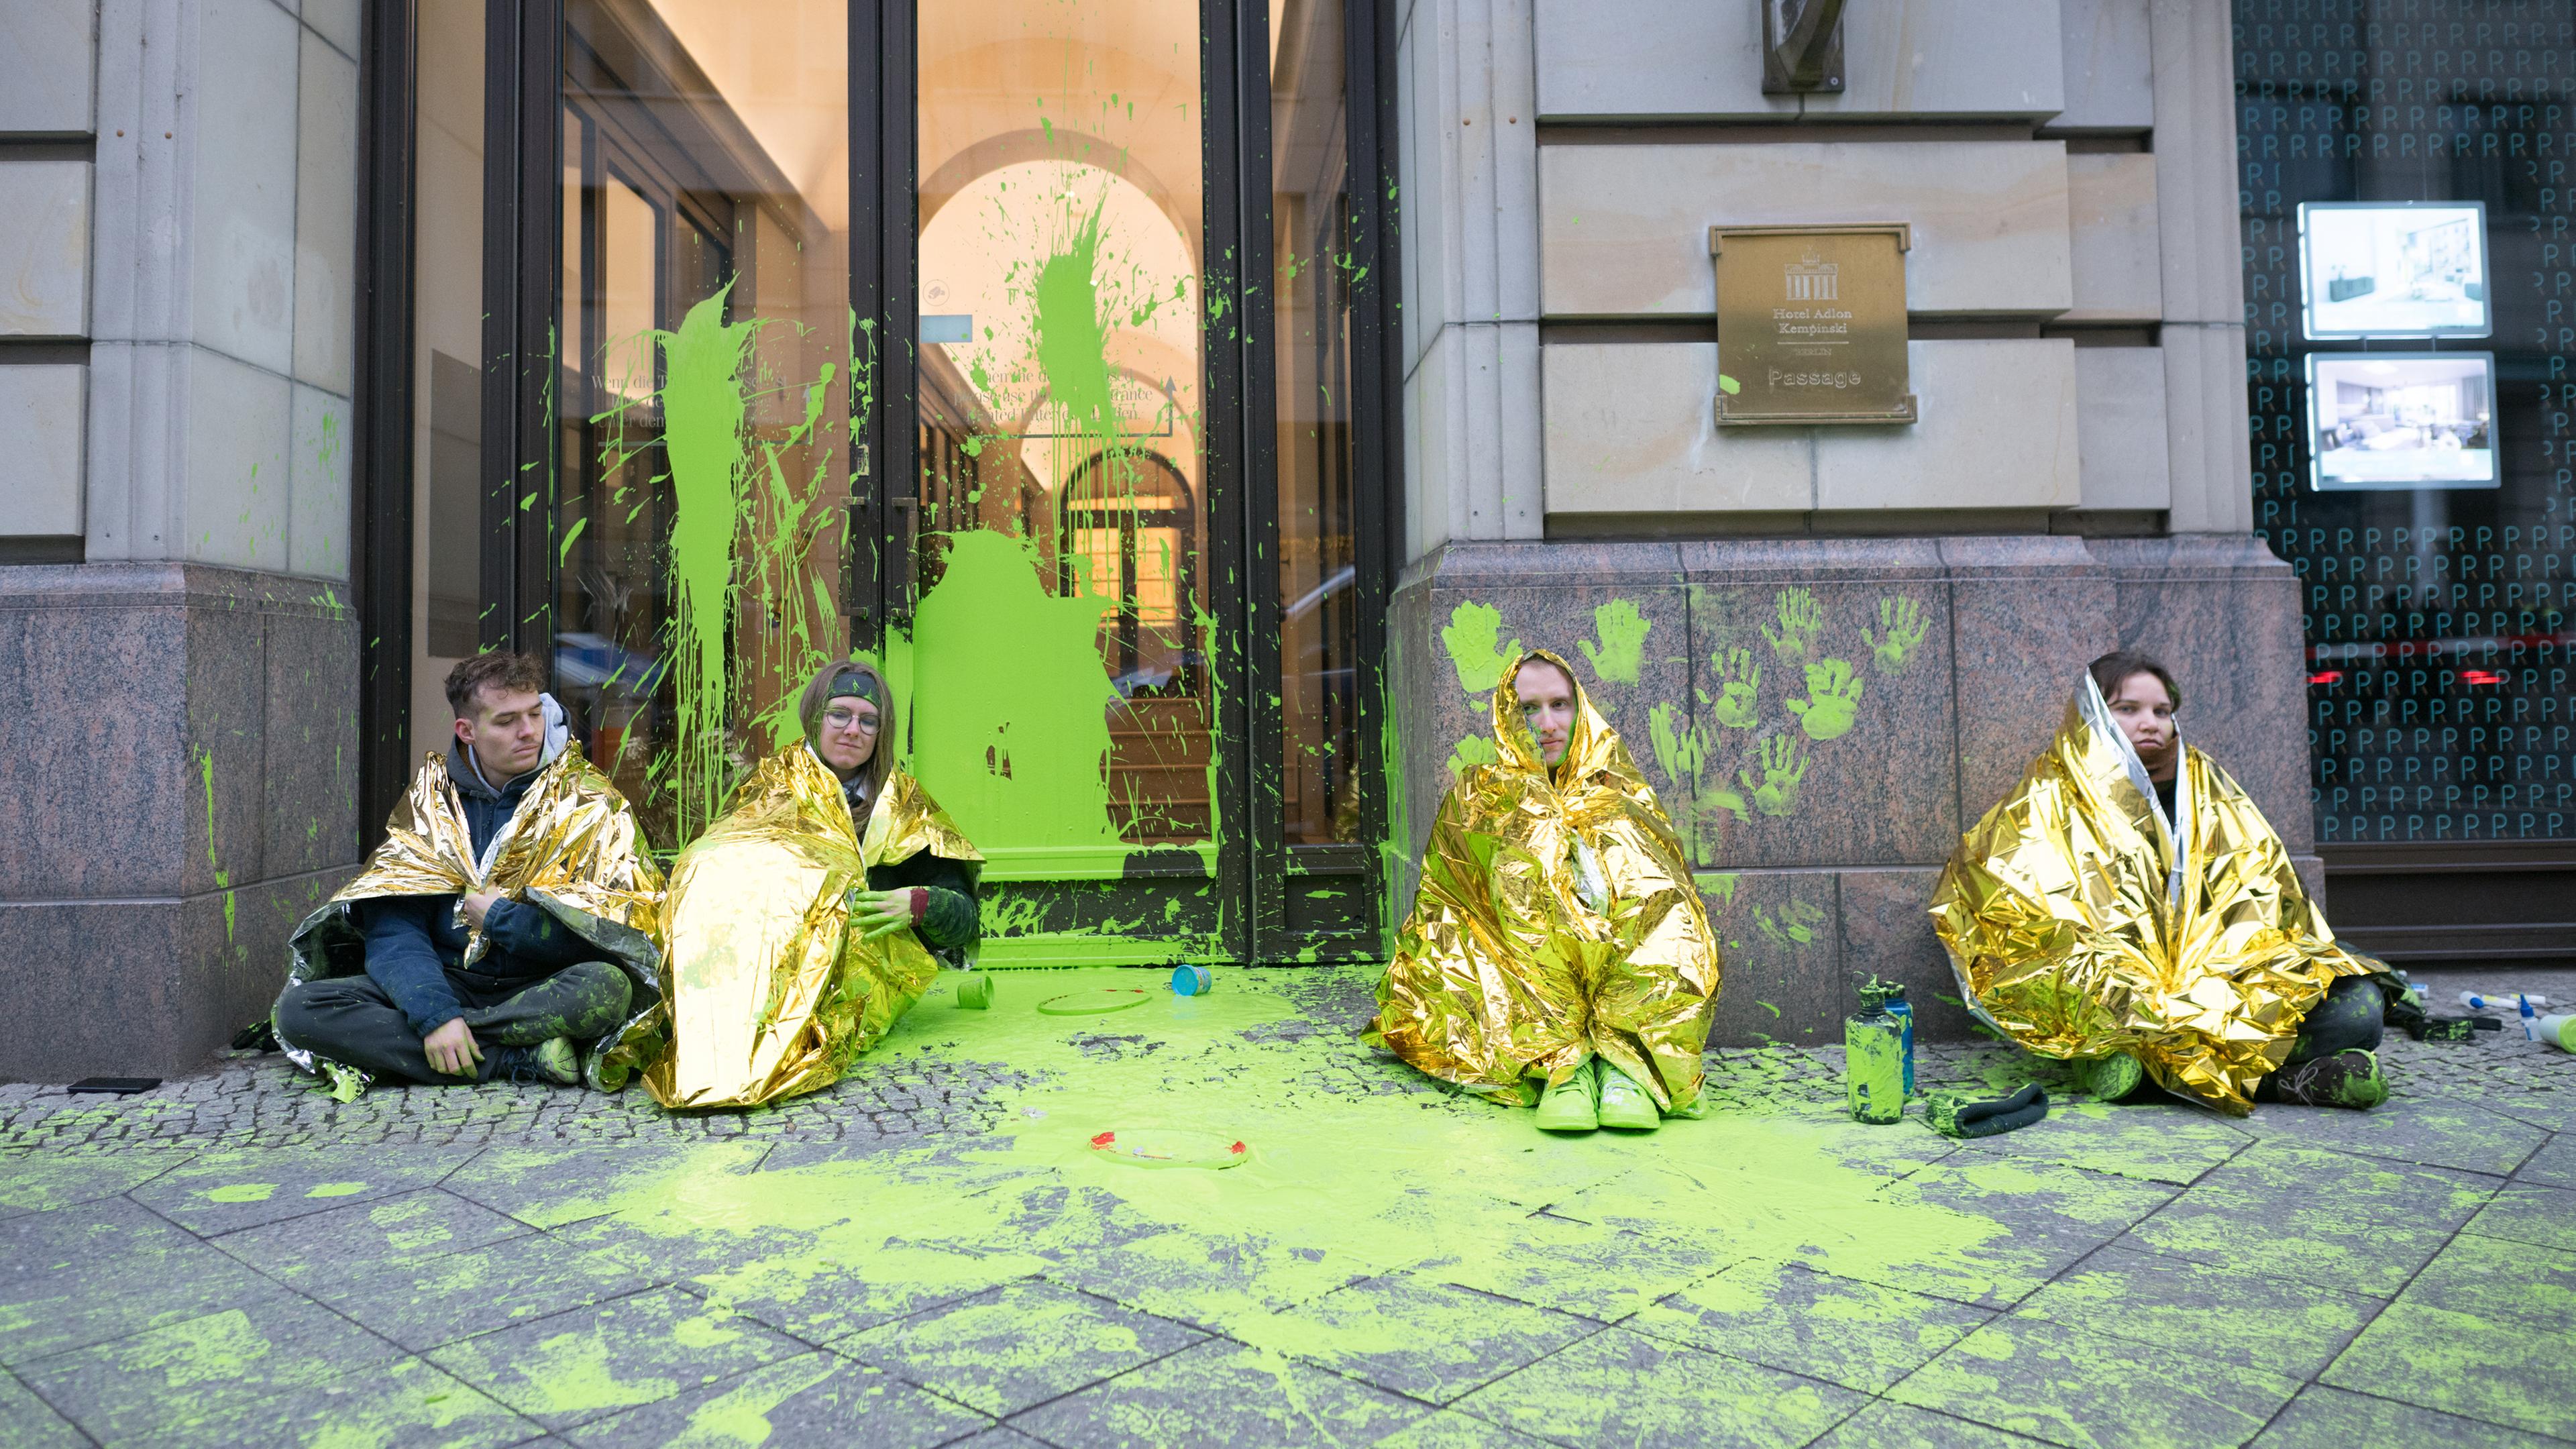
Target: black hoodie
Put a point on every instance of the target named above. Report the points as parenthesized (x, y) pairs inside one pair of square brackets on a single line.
[(413, 942)]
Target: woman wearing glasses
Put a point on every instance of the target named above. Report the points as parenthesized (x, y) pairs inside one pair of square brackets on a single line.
[(814, 913)]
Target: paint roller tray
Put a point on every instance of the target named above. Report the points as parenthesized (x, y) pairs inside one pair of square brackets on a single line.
[(1156, 1147), (1092, 1003)]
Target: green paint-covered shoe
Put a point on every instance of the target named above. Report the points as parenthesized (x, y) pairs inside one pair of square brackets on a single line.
[(2349, 1078), (2108, 1079), (1573, 1105), (557, 1061), (1627, 1104)]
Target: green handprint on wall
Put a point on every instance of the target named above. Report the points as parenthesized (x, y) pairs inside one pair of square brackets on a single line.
[(1682, 749), (1473, 651), (1783, 766), (1473, 750), (1833, 696), (1739, 677), (1623, 637), (1801, 620), (1794, 926), (1900, 632)]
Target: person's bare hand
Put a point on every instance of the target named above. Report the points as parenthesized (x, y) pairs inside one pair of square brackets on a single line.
[(452, 1048), (880, 913), (478, 903)]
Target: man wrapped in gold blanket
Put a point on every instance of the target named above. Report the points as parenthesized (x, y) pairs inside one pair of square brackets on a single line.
[(2128, 908), (1557, 945)]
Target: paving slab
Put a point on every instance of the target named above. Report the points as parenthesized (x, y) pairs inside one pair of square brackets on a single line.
[(2152, 1141), (1887, 1424), (401, 1404), (2542, 1216), (423, 1302), (1582, 1268), (2279, 1325), (321, 1247), (810, 1401), (2554, 1165), (1862, 1336), (84, 1275), (1619, 1387), (37, 1182), (1221, 1392), (225, 1190), (1449, 1429), (1423, 1339), (2322, 1417), (2431, 1131), (33, 1422), (2055, 1383), (1021, 1344), (202, 1369), (2318, 1215), (2483, 1332), (2050, 1216), (590, 1362)]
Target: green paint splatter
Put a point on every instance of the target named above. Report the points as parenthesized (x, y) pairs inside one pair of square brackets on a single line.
[(703, 411), (1432, 1185), (242, 1192), (1011, 731), (336, 1189), (223, 878), (218, 1348)]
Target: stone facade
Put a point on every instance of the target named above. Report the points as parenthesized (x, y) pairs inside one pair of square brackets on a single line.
[(2077, 480), (178, 660)]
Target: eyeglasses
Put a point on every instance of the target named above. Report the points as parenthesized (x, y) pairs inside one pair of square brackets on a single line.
[(842, 719)]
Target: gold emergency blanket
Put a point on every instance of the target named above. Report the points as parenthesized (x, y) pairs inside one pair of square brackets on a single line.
[(772, 993), (572, 847), (2079, 926), (1504, 979)]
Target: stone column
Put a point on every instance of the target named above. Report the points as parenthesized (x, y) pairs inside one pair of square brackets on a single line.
[(178, 666)]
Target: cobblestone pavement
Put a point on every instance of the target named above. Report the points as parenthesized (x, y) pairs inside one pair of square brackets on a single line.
[(923, 1255)]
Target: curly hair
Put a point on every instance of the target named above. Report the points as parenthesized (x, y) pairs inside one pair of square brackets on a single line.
[(500, 669)]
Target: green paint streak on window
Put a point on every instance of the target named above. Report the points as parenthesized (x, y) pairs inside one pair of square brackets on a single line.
[(702, 407), (1072, 346)]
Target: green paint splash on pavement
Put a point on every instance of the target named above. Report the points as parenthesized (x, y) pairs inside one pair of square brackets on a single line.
[(1436, 1187)]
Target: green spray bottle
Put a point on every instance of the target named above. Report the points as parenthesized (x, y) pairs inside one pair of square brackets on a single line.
[(1874, 1059)]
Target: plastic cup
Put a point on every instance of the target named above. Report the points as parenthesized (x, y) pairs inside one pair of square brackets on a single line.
[(1192, 980), (975, 993)]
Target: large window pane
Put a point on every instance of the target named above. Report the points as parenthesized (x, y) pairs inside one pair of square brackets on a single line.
[(447, 361), (1059, 412), (702, 401), (1310, 298)]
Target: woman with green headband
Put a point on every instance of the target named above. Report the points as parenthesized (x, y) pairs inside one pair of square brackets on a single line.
[(809, 918)]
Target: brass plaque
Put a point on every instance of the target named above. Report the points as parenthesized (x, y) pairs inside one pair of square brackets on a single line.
[(1811, 323)]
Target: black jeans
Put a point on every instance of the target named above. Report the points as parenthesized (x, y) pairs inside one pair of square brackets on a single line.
[(352, 1021)]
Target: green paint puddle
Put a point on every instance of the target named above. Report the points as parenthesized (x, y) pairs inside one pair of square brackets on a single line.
[(1346, 1179)]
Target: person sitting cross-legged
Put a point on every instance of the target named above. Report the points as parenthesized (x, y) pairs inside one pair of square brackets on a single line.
[(503, 930), (1558, 951)]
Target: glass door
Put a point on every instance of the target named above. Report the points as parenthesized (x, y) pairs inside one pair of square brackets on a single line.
[(1027, 346), (1056, 595)]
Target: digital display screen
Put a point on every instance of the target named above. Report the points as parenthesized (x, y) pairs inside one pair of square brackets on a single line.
[(2405, 420), (2393, 269)]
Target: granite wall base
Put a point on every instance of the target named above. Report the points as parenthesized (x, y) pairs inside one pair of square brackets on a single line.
[(1822, 717), (180, 787)]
